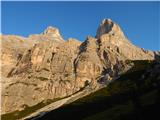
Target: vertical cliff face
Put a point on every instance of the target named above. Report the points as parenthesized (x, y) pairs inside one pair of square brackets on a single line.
[(88, 64), (44, 66), (12, 49)]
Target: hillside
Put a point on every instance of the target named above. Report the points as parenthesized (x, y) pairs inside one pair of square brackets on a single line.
[(135, 95), (43, 72)]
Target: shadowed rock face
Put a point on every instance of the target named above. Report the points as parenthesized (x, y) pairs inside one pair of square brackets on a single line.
[(44, 66)]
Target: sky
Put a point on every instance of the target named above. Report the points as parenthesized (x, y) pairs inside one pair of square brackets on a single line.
[(140, 21)]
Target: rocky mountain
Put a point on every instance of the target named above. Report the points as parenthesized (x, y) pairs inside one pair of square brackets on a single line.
[(45, 67)]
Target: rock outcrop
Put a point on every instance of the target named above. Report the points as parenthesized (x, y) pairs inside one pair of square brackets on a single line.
[(111, 36), (50, 33), (45, 67)]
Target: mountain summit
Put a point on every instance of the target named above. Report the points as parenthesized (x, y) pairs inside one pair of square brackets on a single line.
[(52, 32), (109, 34), (44, 67), (107, 26)]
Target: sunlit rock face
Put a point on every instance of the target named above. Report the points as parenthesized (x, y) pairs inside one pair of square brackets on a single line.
[(50, 33), (12, 50), (88, 64), (53, 33), (44, 66), (111, 36), (107, 26)]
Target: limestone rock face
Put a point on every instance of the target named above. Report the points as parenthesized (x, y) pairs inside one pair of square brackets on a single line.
[(109, 27), (12, 50), (45, 67), (45, 71), (88, 66), (111, 36), (54, 32), (50, 33)]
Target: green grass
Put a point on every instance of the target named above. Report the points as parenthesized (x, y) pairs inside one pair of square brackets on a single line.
[(118, 111), (139, 65), (149, 98), (113, 113)]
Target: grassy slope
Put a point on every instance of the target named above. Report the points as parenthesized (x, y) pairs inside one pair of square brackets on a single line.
[(128, 98)]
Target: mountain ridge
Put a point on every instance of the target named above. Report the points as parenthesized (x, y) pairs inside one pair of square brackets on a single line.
[(47, 67)]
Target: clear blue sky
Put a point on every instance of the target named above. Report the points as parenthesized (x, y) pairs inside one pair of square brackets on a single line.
[(138, 20)]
